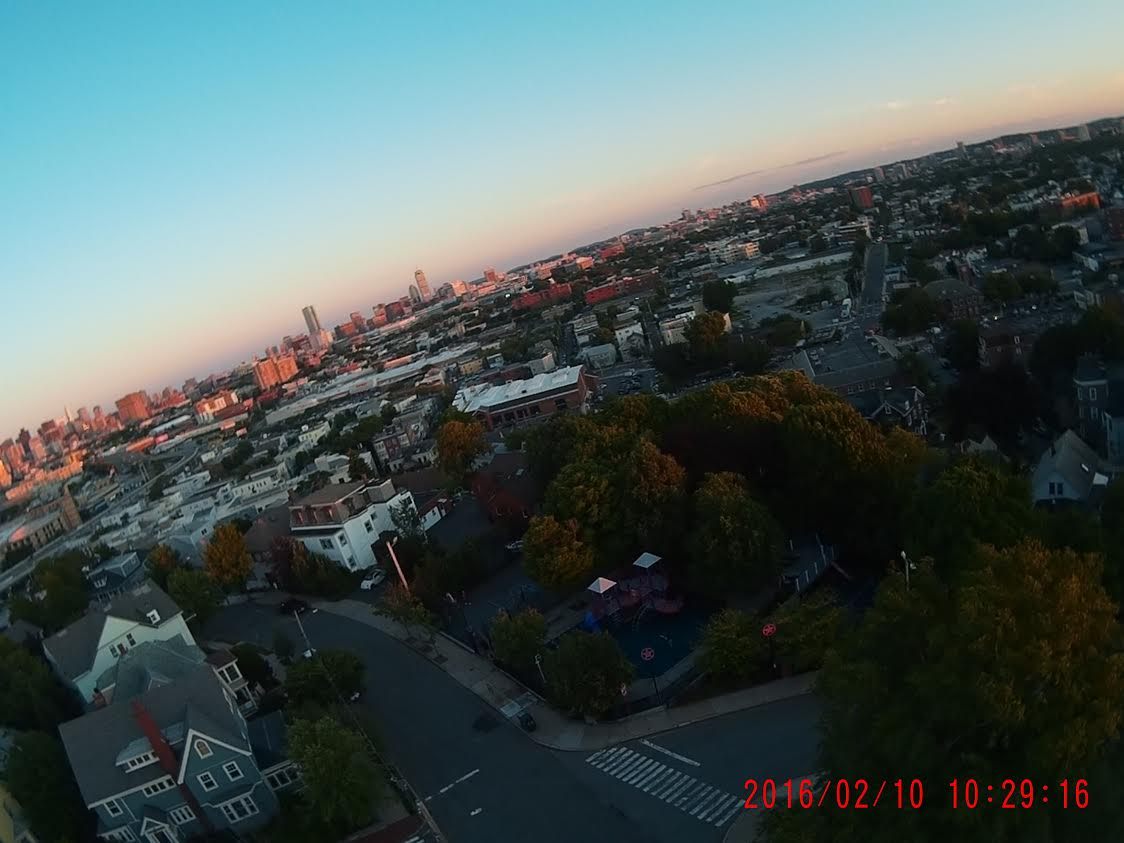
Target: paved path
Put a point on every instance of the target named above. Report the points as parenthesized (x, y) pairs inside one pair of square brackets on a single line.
[(554, 730)]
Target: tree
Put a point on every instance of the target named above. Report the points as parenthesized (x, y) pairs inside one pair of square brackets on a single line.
[(30, 698), (400, 605), (733, 650), (324, 678), (585, 673), (357, 468), (910, 311), (162, 560), (64, 597), (340, 780), (458, 444), (817, 244), (783, 330), (972, 501), (735, 543), (1034, 631), (38, 776), (1001, 287), (719, 296), (388, 413), (807, 627), (252, 665), (705, 335), (519, 638), (1112, 523), (226, 559), (554, 555), (195, 592), (406, 519), (283, 646)]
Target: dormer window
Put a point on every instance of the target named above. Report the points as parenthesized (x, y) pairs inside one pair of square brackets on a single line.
[(153, 616), (203, 749)]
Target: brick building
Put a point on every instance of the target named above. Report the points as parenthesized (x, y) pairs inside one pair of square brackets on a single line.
[(517, 402)]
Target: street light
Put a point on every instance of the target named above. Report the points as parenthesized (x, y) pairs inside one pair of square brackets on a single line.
[(906, 565)]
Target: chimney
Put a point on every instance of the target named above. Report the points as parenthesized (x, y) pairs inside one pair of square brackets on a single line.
[(167, 758)]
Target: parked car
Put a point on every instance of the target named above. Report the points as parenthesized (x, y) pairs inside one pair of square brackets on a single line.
[(372, 579), (292, 606), (527, 721)]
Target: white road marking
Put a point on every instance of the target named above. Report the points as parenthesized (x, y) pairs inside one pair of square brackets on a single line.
[(667, 751), (702, 801), (475, 812), (453, 784)]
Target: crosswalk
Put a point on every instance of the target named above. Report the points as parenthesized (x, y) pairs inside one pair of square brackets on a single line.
[(700, 800)]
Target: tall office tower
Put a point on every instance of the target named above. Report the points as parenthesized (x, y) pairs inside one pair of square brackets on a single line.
[(415, 294), (311, 320), (422, 284), (490, 275), (134, 407)]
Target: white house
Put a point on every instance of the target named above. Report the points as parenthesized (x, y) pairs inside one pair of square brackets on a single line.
[(674, 329), (343, 521), (309, 437), (91, 645)]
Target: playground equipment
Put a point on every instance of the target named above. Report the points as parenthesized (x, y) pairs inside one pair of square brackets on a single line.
[(647, 590)]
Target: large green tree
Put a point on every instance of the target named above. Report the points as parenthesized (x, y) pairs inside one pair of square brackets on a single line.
[(554, 554), (30, 697), (519, 638), (732, 649), (64, 597), (38, 776), (1013, 667), (194, 592), (584, 674), (719, 295), (324, 678), (735, 542), (341, 782)]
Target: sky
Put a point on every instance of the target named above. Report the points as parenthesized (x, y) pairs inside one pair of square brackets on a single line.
[(177, 180)]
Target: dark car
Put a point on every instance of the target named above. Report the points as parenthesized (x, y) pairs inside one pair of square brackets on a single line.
[(527, 721), (292, 606)]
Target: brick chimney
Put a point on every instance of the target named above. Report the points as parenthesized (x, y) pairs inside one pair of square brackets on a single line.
[(167, 758)]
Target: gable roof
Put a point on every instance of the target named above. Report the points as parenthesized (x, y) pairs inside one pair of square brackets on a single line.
[(1076, 462), (148, 666), (94, 741), (74, 648)]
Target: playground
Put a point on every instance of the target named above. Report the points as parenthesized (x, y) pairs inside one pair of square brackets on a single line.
[(655, 631)]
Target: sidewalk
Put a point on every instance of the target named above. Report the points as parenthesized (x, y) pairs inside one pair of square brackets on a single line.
[(556, 731)]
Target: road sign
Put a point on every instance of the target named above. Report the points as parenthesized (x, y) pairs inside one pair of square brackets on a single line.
[(769, 630), (647, 654)]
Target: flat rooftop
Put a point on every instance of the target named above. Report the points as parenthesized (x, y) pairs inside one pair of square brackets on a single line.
[(472, 399)]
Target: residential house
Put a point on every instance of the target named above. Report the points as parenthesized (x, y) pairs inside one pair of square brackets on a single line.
[(1068, 472), (114, 576), (13, 827), (173, 763), (903, 407), (268, 527), (85, 650), (1004, 344), (343, 521)]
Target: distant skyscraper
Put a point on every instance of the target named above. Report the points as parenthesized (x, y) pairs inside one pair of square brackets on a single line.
[(861, 198), (415, 294), (311, 320), (84, 416), (422, 284), (490, 275), (358, 321), (879, 175)]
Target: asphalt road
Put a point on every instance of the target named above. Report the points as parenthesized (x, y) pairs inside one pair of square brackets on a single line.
[(874, 269), (489, 782)]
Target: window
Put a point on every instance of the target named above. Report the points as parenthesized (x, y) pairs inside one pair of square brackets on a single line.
[(283, 777), (238, 809), (1061, 489), (202, 749), (140, 761), (326, 544), (1092, 393), (182, 815), (154, 616), (122, 834), (230, 673), (113, 808), (560, 403), (129, 637), (232, 770), (368, 526), (157, 787), (207, 781)]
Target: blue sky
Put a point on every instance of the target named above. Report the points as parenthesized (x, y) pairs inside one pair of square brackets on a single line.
[(178, 180)]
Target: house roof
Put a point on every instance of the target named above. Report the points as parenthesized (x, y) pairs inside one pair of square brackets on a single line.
[(94, 741), (271, 525), (1076, 462), (331, 493), (150, 665), (472, 399), (947, 288), (73, 649), (268, 739)]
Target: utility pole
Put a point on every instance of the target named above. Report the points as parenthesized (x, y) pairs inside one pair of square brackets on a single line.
[(398, 567)]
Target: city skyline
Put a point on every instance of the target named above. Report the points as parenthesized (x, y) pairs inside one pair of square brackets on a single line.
[(181, 202)]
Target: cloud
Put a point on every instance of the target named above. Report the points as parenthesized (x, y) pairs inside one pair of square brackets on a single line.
[(895, 105), (801, 163), (943, 101)]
